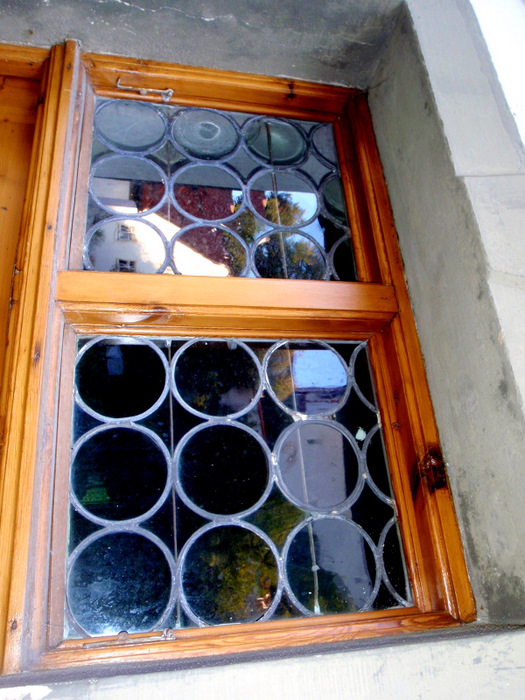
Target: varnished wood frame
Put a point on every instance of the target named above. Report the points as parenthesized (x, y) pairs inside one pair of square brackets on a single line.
[(48, 296)]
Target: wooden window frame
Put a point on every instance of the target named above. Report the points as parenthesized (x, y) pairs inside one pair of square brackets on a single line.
[(51, 301)]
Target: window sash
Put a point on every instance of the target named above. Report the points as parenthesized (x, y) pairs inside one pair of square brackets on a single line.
[(55, 303)]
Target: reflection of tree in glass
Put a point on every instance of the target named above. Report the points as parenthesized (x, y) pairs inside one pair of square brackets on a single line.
[(277, 518), (288, 255), (280, 373), (282, 210), (230, 576), (246, 224)]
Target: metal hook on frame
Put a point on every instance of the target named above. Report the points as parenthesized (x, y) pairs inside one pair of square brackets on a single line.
[(166, 94)]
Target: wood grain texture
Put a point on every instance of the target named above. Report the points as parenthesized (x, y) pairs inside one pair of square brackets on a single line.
[(28, 345), (219, 89), (166, 304), (234, 639), (22, 61)]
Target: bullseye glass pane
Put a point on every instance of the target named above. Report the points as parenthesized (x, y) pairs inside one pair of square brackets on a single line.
[(125, 245), (324, 144), (205, 134), (307, 377), (119, 582), (216, 378), (229, 575), (334, 199), (318, 465), (130, 126), (275, 142), (283, 199), (344, 265), (207, 192), (289, 255), (331, 567), (223, 469), (119, 474), (127, 184), (118, 378), (209, 250)]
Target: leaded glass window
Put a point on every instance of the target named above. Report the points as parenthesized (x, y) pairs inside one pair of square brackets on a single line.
[(220, 481), (203, 192)]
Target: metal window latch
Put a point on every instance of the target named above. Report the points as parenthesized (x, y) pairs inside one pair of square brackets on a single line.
[(166, 94)]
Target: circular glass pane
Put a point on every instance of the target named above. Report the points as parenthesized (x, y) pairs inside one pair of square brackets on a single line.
[(324, 144), (209, 250), (229, 575), (334, 199), (275, 142), (223, 469), (289, 255), (124, 245), (330, 567), (343, 259), (207, 192), (121, 581), (130, 126), (216, 378), (203, 133), (120, 379), (284, 199), (318, 465), (119, 474), (127, 184), (307, 377)]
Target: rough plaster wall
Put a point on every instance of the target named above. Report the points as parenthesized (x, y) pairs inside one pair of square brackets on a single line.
[(485, 668), (333, 41), (471, 380)]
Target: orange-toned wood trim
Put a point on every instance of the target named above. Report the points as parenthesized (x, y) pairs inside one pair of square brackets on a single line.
[(231, 639), (112, 302), (28, 350), (219, 89), (22, 61), (451, 576)]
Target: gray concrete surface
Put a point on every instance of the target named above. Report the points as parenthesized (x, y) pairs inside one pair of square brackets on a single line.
[(333, 41), (471, 379)]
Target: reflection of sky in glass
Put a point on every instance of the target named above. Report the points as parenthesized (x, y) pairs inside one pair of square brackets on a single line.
[(318, 368)]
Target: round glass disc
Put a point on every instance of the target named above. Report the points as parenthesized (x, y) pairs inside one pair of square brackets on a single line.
[(124, 245), (289, 255), (130, 126), (229, 575), (275, 142), (209, 250), (203, 133), (283, 198), (120, 581), (207, 192), (127, 184)]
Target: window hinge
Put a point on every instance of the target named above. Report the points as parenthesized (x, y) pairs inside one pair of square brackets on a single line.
[(432, 468), (166, 94)]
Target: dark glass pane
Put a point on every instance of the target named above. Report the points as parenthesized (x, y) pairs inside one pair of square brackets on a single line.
[(277, 517), (307, 377), (328, 567), (209, 250), (393, 561), (344, 264), (206, 134), (376, 463), (324, 144), (216, 378), (275, 142), (118, 474), (79, 528), (207, 192), (121, 581), (230, 575), (290, 256), (120, 378), (223, 469), (371, 513), (130, 126)]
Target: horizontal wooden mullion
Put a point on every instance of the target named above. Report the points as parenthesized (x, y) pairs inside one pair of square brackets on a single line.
[(156, 304)]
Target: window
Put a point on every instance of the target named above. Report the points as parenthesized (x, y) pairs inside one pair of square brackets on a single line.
[(118, 319)]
